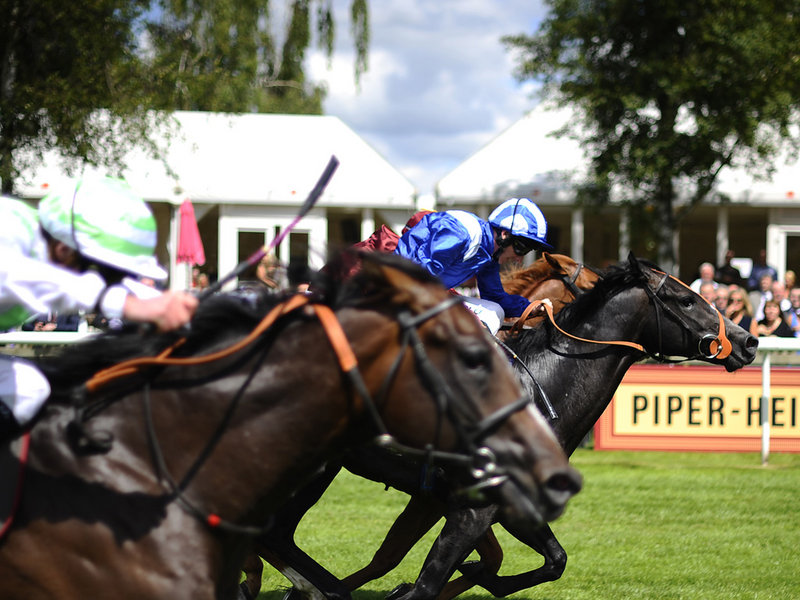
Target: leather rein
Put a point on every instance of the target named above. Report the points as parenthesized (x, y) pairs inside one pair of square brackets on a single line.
[(709, 346), (480, 459)]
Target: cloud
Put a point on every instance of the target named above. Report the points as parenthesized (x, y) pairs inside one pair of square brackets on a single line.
[(439, 84)]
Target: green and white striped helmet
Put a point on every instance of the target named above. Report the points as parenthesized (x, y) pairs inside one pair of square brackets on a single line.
[(105, 221)]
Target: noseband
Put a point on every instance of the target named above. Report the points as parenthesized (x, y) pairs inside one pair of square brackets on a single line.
[(709, 346)]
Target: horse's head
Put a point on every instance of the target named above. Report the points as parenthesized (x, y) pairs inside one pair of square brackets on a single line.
[(449, 386), (686, 325), (554, 276)]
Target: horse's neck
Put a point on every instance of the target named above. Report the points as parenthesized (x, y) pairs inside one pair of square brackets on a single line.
[(580, 380), (580, 389)]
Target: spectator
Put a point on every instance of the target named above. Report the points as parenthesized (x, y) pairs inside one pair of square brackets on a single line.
[(726, 272), (740, 311), (760, 267), (759, 296), (708, 292), (202, 282), (789, 280), (706, 276), (723, 295), (780, 295), (51, 322), (267, 272), (773, 324), (793, 314)]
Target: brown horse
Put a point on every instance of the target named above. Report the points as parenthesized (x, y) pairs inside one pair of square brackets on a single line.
[(200, 456), (556, 277)]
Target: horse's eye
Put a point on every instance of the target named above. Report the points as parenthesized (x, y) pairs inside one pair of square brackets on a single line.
[(688, 301), (475, 356)]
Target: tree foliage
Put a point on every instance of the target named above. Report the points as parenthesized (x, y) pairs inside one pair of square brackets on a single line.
[(60, 63), (83, 77), (224, 55), (668, 93)]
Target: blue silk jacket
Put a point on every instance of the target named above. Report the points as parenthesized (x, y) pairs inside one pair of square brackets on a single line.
[(455, 246)]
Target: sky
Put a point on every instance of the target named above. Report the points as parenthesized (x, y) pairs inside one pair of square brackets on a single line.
[(440, 84)]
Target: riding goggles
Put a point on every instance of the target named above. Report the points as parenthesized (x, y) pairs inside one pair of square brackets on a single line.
[(523, 245)]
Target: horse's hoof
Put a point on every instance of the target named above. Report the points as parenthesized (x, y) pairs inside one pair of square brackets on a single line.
[(400, 591)]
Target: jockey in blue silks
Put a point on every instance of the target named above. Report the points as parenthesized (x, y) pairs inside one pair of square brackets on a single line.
[(456, 245)]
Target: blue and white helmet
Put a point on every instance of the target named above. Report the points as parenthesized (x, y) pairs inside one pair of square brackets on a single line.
[(522, 218)]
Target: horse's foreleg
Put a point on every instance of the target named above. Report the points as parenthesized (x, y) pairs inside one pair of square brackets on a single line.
[(491, 554), (253, 569), (278, 547), (420, 514), (459, 536), (540, 539)]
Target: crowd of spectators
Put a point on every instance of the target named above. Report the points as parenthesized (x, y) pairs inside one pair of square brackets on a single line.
[(761, 303)]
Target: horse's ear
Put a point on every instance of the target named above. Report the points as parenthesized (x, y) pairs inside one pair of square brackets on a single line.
[(552, 261), (633, 262)]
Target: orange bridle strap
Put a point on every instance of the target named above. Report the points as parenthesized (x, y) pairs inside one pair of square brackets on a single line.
[(549, 310), (129, 367), (336, 336), (722, 343)]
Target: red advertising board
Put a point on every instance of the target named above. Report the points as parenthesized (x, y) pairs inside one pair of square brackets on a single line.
[(705, 408)]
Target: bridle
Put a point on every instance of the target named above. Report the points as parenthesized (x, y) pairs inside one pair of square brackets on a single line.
[(709, 346), (480, 459)]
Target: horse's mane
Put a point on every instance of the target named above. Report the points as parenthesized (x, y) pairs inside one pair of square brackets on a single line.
[(615, 279), (222, 316), (518, 280), (367, 285)]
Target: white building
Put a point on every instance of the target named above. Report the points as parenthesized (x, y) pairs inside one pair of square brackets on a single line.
[(247, 175), (527, 160)]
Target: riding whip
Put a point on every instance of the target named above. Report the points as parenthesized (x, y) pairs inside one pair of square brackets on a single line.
[(254, 259)]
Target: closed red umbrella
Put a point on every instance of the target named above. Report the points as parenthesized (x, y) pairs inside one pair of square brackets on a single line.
[(190, 246)]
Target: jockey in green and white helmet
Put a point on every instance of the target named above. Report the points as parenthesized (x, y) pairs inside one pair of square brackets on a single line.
[(79, 252)]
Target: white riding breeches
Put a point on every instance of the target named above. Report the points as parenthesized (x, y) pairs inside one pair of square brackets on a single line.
[(23, 387), (490, 313)]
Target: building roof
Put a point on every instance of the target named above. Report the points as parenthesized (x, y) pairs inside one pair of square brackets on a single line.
[(524, 160), (527, 160), (254, 158)]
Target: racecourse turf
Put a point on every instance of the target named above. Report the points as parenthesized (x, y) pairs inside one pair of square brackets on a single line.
[(647, 525)]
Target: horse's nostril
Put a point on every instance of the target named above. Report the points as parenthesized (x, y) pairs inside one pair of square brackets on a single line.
[(751, 342), (566, 482)]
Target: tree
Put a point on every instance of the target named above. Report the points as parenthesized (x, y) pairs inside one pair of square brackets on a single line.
[(84, 77), (59, 63), (668, 93), (222, 55)]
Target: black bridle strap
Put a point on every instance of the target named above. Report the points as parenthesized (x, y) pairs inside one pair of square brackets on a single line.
[(551, 411), (571, 282)]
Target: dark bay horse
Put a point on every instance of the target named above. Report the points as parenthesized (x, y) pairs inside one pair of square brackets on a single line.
[(634, 302), (200, 456)]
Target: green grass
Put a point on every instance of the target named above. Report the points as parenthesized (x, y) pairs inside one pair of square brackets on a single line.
[(647, 525)]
